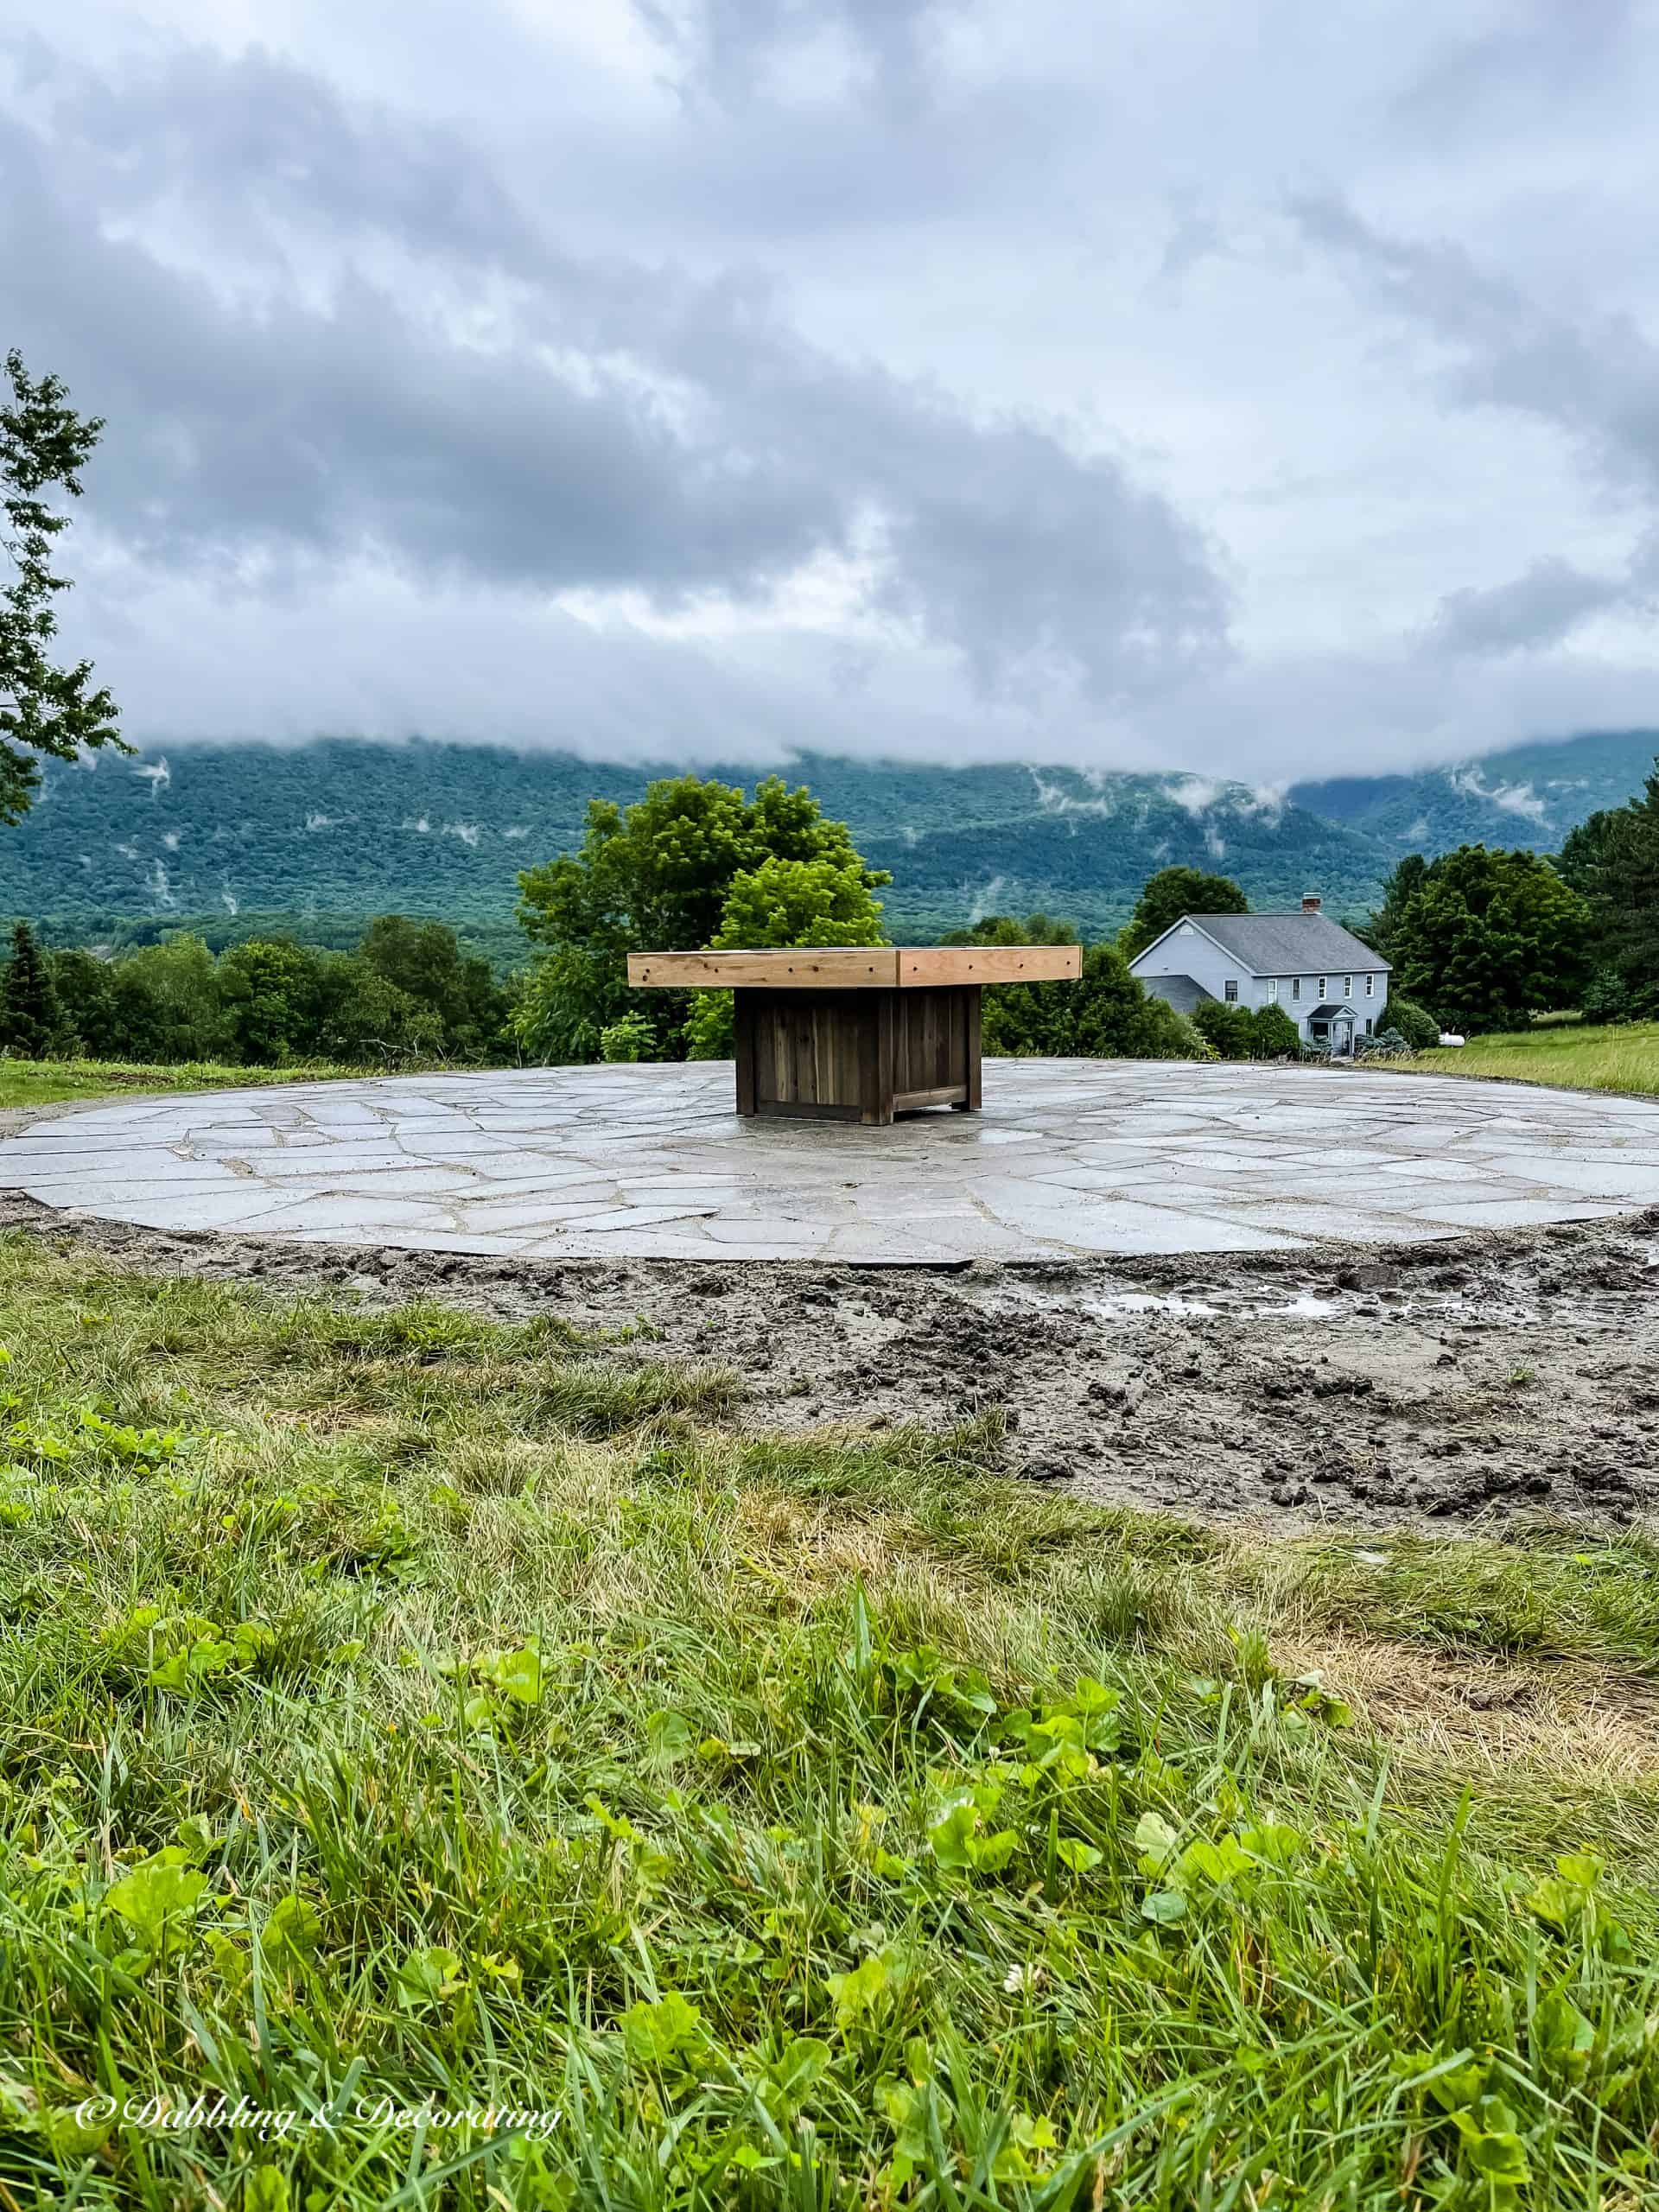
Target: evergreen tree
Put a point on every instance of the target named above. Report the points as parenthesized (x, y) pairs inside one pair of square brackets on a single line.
[(1613, 860), (31, 1022), (43, 707), (1401, 886)]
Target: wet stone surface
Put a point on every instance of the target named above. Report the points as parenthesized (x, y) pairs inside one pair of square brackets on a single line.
[(1069, 1159)]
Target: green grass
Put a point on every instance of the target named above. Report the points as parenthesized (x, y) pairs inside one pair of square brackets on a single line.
[(1577, 1055), (403, 1711), (48, 1082)]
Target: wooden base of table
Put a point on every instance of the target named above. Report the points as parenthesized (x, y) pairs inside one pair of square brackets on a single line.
[(857, 1055)]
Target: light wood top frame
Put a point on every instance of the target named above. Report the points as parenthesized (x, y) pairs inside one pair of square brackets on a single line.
[(855, 968)]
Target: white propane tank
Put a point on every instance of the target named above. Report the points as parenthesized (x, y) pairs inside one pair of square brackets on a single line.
[(1451, 1037)]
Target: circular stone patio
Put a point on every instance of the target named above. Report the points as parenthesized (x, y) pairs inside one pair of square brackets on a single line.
[(1069, 1158)]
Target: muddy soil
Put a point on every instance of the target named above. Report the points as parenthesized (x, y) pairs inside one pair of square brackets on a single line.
[(1482, 1379)]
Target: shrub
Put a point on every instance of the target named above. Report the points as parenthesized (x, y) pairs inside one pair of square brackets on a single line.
[(1420, 1029), (1104, 1016), (1274, 1035), (632, 1038), (1228, 1030), (1607, 997), (1386, 1045), (1192, 1045), (710, 1032)]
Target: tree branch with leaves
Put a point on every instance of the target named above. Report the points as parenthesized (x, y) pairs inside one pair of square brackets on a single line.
[(45, 707)]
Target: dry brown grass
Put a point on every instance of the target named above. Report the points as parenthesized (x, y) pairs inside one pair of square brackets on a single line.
[(1480, 1713)]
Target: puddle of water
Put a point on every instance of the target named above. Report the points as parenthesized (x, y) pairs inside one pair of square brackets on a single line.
[(863, 1321), (1303, 1307), (1145, 1301)]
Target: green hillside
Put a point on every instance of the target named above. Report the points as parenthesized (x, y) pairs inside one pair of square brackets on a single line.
[(332, 831), (338, 829)]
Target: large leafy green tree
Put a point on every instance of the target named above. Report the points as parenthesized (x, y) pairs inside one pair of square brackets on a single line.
[(656, 878), (1171, 894), (1491, 938), (83, 983), (46, 707), (271, 994), (165, 1004), (363, 1020), (1612, 862), (424, 961), (783, 902)]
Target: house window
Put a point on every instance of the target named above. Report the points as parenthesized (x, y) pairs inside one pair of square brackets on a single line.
[(1347, 987), (1370, 986), (1273, 990), (1368, 1024), (1295, 987), (1230, 990), (1324, 984)]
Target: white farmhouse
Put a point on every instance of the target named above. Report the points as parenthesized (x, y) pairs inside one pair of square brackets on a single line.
[(1333, 987)]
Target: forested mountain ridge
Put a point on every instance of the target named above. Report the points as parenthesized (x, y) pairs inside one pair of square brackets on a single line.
[(1529, 795), (341, 829)]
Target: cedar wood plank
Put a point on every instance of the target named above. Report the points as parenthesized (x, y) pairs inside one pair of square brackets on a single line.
[(855, 967), (922, 966)]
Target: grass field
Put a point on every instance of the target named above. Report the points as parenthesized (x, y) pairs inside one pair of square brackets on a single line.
[(1580, 1057), (48, 1082), (406, 1715)]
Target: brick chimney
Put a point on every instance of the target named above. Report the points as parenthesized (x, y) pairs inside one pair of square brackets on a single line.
[(1310, 902)]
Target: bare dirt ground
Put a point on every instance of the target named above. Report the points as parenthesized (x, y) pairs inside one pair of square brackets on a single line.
[(1484, 1379)]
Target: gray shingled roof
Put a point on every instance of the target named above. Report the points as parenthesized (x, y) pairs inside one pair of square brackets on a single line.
[(1184, 993), (1289, 945)]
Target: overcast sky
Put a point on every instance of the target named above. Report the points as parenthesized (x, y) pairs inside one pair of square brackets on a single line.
[(1225, 385)]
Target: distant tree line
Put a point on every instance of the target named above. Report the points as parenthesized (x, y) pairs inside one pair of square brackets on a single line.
[(409, 993)]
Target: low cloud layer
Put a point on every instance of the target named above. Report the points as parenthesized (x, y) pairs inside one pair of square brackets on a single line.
[(724, 376)]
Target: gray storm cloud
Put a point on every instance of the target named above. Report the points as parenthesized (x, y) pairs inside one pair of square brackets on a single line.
[(926, 376), (542, 422)]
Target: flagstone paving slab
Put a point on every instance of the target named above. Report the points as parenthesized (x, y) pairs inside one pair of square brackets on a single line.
[(1083, 1157)]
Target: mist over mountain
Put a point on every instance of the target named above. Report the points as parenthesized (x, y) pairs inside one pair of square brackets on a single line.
[(339, 828), (1528, 795)]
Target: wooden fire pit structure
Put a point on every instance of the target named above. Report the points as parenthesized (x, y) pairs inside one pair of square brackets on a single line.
[(857, 1033)]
